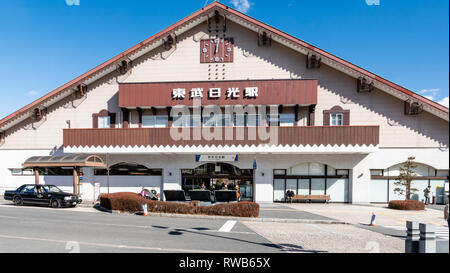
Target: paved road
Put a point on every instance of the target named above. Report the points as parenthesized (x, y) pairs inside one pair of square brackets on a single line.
[(45, 230)]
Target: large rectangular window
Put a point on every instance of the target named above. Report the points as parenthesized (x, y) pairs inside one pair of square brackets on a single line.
[(20, 172), (252, 120), (379, 190), (246, 120), (312, 179), (287, 120), (57, 171), (303, 187), (278, 190), (212, 120), (318, 186), (337, 188), (155, 121), (187, 121)]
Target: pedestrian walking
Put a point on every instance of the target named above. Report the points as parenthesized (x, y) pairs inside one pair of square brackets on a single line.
[(446, 215), (427, 192)]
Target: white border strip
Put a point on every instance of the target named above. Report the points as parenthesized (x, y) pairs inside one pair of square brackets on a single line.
[(263, 149)]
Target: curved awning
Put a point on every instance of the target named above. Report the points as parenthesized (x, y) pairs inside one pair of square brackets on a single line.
[(64, 161)]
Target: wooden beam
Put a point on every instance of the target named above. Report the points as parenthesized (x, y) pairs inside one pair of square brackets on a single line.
[(75, 181), (139, 110), (125, 117), (36, 176), (311, 116)]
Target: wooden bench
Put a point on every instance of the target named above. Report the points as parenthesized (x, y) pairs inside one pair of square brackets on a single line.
[(300, 197), (325, 198), (310, 198)]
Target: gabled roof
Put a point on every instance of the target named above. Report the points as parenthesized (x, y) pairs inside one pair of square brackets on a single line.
[(242, 19)]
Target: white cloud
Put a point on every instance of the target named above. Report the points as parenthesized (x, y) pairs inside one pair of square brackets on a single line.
[(242, 5), (444, 102), (32, 93), (430, 93)]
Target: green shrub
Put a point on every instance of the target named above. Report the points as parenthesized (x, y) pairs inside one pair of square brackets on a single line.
[(407, 205), (132, 202)]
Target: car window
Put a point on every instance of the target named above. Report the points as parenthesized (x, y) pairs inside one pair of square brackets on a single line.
[(40, 189), (52, 189), (28, 189)]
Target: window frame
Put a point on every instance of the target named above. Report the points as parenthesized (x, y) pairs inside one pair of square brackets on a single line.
[(101, 124), (327, 116), (334, 117), (153, 119)]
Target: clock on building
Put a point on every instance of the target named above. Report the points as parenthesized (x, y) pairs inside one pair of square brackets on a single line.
[(218, 50)]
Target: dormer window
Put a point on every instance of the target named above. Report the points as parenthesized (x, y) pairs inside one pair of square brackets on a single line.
[(336, 119), (104, 119), (104, 122), (336, 116)]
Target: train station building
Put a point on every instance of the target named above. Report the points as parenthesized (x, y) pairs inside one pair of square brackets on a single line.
[(221, 99)]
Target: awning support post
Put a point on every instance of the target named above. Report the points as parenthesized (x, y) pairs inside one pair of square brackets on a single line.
[(75, 181), (36, 176)]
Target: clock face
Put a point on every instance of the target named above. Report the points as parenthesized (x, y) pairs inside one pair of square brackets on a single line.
[(218, 50)]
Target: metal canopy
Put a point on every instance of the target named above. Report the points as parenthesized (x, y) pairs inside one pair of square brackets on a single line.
[(64, 161)]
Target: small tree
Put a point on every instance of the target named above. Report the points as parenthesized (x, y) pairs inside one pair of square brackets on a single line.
[(404, 179)]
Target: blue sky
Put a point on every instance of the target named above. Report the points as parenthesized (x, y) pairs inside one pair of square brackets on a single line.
[(47, 43)]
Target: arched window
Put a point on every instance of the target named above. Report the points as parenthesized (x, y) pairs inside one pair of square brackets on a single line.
[(336, 116), (104, 119)]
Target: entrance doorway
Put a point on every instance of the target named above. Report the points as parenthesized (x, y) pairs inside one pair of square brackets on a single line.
[(219, 176)]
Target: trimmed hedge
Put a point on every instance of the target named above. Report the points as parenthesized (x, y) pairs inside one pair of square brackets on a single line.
[(407, 205), (132, 202)]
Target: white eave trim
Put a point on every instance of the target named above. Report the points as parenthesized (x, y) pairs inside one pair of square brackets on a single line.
[(246, 149)]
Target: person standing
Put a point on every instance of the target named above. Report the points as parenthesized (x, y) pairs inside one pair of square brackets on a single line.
[(427, 192), (446, 216)]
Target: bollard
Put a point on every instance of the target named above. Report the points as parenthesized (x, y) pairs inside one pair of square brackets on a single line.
[(372, 221), (144, 209), (427, 243), (412, 237)]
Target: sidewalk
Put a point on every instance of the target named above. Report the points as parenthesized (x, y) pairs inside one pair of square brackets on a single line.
[(361, 214)]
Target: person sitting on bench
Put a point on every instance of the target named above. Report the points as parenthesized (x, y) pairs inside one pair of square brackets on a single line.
[(289, 195)]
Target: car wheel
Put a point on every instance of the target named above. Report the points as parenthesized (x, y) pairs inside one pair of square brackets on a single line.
[(18, 201), (55, 204)]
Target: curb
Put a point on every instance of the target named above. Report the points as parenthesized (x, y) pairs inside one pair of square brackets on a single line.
[(188, 216)]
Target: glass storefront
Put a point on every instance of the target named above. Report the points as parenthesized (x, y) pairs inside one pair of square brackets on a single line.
[(311, 179), (382, 186), (219, 176)]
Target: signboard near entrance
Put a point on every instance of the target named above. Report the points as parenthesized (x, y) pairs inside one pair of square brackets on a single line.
[(216, 158)]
